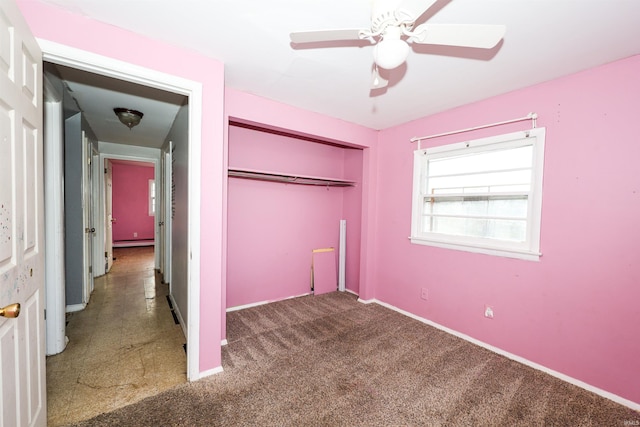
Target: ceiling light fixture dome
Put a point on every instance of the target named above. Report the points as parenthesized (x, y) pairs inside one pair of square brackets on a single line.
[(129, 118), (392, 51)]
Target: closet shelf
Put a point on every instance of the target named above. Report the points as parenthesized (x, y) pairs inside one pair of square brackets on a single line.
[(289, 179)]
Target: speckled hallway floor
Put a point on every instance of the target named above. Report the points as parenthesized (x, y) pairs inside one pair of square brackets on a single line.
[(123, 347)]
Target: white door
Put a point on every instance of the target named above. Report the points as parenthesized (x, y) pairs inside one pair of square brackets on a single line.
[(108, 207), (168, 210), (22, 357), (97, 256), (160, 214), (87, 218)]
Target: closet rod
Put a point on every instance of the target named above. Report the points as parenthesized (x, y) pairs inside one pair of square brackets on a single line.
[(289, 179), (530, 116)]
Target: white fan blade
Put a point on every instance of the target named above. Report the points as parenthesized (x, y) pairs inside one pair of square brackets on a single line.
[(377, 81), (325, 35), (416, 8), (465, 35)]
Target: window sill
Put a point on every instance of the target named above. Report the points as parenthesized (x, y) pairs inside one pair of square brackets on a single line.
[(502, 252)]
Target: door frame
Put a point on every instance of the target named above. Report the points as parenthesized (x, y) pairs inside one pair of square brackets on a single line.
[(130, 153), (102, 65), (55, 322)]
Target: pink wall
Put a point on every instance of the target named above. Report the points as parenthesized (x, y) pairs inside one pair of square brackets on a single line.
[(273, 227), (577, 310), (131, 201), (51, 23)]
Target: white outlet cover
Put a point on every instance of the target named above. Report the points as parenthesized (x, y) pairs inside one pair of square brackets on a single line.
[(488, 312)]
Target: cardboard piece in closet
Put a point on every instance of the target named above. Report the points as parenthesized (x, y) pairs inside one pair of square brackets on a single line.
[(324, 276)]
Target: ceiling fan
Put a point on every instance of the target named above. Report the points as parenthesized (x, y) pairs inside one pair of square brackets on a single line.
[(393, 28)]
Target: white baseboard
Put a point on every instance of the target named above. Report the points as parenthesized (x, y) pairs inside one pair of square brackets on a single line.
[(210, 372), (618, 399), (224, 342), (351, 292), (255, 304), (75, 307)]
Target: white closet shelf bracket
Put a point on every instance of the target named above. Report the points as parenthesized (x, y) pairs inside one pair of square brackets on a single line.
[(288, 178)]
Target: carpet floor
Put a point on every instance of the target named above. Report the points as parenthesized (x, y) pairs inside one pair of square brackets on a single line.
[(331, 361)]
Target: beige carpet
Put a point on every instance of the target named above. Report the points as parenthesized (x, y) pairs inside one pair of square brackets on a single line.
[(331, 361)]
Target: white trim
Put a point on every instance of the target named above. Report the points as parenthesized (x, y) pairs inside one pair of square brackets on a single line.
[(529, 249), (126, 152), (352, 292), (224, 342), (152, 201), (112, 151), (55, 322), (534, 365), (97, 176), (195, 154), (210, 372), (102, 65), (507, 253), (89, 61), (256, 304), (367, 301), (72, 308)]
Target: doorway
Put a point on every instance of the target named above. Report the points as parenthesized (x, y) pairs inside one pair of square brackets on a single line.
[(188, 185)]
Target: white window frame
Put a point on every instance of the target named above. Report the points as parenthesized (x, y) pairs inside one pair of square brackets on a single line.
[(152, 197), (528, 250)]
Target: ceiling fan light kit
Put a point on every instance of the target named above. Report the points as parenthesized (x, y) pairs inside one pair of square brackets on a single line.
[(392, 51), (392, 31)]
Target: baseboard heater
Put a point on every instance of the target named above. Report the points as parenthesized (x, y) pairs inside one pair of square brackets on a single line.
[(132, 243), (173, 313)]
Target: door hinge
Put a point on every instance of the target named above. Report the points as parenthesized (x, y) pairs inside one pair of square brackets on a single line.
[(45, 314), (105, 170), (106, 254)]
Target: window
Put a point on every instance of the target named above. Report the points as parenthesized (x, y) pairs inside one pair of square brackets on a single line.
[(481, 196), (152, 197)]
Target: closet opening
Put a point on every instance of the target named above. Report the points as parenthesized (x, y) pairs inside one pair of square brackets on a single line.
[(287, 195)]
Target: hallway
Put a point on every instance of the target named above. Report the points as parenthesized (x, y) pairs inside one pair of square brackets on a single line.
[(123, 347)]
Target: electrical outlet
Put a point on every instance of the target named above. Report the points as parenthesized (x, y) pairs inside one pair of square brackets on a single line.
[(135, 234), (424, 293), (488, 312)]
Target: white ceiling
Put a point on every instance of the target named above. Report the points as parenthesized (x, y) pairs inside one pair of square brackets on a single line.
[(96, 96), (545, 39)]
